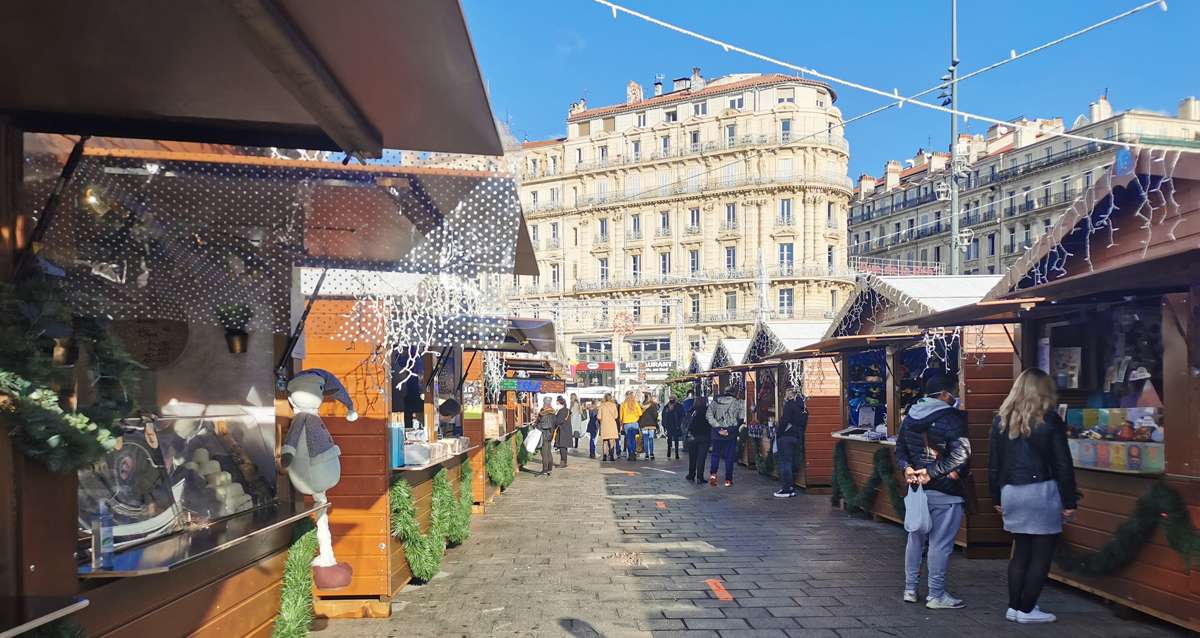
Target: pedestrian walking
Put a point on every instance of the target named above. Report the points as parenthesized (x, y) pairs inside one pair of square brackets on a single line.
[(593, 428), (545, 424), (932, 450), (672, 421), (789, 439), (631, 412), (609, 416), (699, 436), (1032, 481), (562, 429), (689, 404), (723, 414), (648, 422), (578, 420)]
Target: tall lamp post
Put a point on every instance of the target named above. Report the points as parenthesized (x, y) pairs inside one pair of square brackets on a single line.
[(952, 77)]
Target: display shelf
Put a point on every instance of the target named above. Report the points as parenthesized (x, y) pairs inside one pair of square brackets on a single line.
[(21, 614), (418, 468), (172, 552)]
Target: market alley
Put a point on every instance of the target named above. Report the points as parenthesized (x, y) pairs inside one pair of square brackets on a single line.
[(631, 549)]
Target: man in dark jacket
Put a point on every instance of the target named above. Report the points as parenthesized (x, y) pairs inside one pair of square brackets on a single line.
[(789, 438), (672, 420), (562, 430), (697, 444), (932, 449)]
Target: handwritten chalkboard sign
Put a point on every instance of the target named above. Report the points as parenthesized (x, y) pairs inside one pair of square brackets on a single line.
[(154, 343)]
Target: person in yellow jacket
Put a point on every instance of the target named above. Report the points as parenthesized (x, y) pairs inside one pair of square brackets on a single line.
[(631, 413)]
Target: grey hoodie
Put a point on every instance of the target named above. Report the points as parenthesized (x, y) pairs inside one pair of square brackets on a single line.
[(723, 415)]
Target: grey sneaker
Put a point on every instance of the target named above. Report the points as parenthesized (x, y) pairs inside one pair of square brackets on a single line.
[(1035, 617), (1010, 615), (945, 601), (910, 596)]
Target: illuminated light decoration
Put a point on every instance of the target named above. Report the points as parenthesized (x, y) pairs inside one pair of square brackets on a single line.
[(795, 375), (939, 346), (493, 375)]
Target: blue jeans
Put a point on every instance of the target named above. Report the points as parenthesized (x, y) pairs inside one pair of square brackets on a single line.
[(940, 539), (648, 440), (631, 431), (786, 460), (591, 444), (723, 449)]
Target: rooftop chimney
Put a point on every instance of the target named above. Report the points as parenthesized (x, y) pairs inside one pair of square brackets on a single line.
[(891, 177), (1099, 110), (866, 186), (1189, 109), (658, 84), (680, 84), (697, 79)]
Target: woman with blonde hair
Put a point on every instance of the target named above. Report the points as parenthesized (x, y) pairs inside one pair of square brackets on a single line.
[(631, 413), (1032, 481)]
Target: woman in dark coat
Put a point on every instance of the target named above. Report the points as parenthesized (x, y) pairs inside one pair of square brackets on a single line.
[(700, 434), (562, 428), (672, 419), (545, 424)]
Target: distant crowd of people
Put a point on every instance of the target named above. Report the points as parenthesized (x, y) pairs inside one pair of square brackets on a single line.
[(1030, 470)]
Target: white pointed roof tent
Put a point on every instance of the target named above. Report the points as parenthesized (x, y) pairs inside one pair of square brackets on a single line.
[(782, 336), (357, 77), (908, 296), (700, 361), (729, 352)]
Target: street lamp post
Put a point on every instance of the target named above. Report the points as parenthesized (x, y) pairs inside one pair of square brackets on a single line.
[(955, 249)]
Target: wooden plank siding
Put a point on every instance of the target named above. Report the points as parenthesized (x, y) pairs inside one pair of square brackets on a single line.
[(824, 418), (986, 378)]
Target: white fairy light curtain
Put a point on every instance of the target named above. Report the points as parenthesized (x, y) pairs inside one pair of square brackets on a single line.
[(214, 241), (1145, 205)]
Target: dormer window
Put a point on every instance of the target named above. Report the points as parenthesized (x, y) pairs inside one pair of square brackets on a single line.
[(672, 115)]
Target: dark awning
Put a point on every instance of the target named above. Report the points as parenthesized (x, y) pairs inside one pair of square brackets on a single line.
[(846, 343), (524, 335), (358, 76)]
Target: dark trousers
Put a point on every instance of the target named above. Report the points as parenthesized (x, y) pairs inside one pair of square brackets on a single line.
[(591, 444), (562, 455), (723, 449), (547, 451), (785, 458), (673, 443), (697, 450), (1028, 568)]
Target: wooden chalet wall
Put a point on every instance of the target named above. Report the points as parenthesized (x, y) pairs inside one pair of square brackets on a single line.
[(822, 387), (986, 373), (358, 517)]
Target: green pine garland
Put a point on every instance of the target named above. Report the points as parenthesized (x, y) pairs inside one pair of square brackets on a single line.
[(40, 428), (764, 464), (498, 462), (458, 528), (60, 628), (519, 445), (1161, 505), (424, 552), (295, 594), (862, 500)]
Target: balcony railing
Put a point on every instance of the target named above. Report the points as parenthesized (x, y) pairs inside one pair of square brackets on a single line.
[(691, 230), (554, 243), (633, 235), (688, 150), (602, 238), (660, 232), (729, 225), (886, 266), (785, 221)]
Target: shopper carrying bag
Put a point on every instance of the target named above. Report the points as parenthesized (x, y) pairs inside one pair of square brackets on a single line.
[(916, 511)]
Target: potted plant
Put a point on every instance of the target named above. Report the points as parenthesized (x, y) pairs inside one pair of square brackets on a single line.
[(235, 317)]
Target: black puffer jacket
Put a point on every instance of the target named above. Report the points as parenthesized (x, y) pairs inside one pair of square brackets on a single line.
[(795, 419), (1043, 456), (945, 428)]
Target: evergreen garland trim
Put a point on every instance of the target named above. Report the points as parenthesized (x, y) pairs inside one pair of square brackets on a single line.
[(764, 464), (863, 500), (1160, 505), (61, 628), (498, 461), (295, 594), (39, 427), (458, 528), (519, 445)]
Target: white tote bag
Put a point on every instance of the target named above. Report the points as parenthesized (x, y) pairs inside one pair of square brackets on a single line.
[(916, 511), (533, 441)]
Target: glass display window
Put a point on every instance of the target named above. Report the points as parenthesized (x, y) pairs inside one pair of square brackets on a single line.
[(866, 390)]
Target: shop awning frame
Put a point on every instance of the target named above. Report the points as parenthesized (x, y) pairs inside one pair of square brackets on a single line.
[(356, 77), (837, 345)]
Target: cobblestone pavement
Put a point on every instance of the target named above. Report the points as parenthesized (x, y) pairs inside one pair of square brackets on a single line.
[(629, 549)]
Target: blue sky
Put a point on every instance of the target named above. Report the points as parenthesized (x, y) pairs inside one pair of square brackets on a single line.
[(538, 56)]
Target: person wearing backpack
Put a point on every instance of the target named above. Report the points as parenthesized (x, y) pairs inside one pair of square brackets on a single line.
[(1031, 477), (724, 415), (932, 449)]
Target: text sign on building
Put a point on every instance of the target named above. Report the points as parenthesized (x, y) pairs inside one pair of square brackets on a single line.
[(660, 367)]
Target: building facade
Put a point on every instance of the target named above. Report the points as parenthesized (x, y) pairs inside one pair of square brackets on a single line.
[(669, 221), (1014, 183)]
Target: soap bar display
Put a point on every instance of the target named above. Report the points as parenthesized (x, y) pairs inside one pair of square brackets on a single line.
[(1121, 456)]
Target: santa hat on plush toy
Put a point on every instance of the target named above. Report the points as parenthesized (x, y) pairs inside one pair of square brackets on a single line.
[(322, 383)]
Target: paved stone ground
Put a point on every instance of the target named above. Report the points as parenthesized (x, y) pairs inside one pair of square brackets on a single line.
[(625, 550)]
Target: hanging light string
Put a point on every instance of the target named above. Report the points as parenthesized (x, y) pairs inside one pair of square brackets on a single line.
[(898, 100)]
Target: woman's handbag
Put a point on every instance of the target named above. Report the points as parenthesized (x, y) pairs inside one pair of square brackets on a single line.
[(916, 511)]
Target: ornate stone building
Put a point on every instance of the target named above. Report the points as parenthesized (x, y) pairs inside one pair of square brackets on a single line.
[(671, 220)]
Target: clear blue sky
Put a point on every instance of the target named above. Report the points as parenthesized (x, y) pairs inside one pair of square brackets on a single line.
[(540, 55)]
